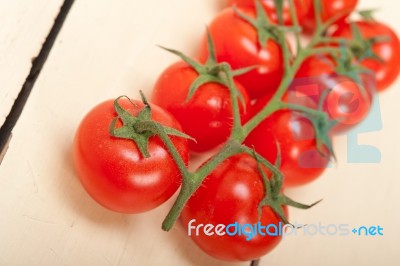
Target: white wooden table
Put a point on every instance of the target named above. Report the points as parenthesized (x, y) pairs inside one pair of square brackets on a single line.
[(108, 48)]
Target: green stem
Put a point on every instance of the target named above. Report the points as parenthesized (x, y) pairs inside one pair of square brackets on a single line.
[(322, 50), (192, 181), (191, 185), (317, 14), (301, 108), (171, 148), (274, 104), (296, 24), (261, 160), (237, 130), (185, 193), (229, 149), (290, 71), (259, 117)]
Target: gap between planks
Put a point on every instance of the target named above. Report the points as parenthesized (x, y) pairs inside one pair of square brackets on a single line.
[(37, 65)]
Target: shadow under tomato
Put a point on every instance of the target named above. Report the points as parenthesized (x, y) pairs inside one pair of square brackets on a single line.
[(82, 204)]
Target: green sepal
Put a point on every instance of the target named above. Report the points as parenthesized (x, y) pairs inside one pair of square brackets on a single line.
[(193, 63), (127, 131), (277, 180), (141, 128), (273, 196), (241, 71), (173, 132), (345, 65), (289, 202), (124, 115), (211, 71), (353, 70), (279, 10), (368, 14), (200, 81), (265, 30), (322, 125), (145, 113), (212, 58), (363, 48)]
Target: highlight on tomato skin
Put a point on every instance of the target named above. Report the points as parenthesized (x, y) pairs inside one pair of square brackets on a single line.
[(230, 194), (207, 116), (113, 170)]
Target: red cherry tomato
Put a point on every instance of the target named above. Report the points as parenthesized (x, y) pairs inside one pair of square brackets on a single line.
[(301, 6), (301, 162), (236, 43), (388, 50), (207, 117), (114, 172), (348, 103), (230, 194), (339, 9)]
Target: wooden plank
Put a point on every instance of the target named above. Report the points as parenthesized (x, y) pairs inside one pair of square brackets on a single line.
[(37, 65), (23, 28), (106, 48)]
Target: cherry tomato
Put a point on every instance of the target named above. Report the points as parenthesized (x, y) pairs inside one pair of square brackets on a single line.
[(339, 9), (236, 43), (348, 102), (113, 171), (301, 162), (230, 194), (207, 117), (388, 50), (301, 6)]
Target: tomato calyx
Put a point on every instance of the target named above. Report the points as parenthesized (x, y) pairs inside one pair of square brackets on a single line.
[(361, 47), (265, 29), (139, 128), (346, 66), (273, 191), (321, 122), (322, 126), (368, 14), (211, 71)]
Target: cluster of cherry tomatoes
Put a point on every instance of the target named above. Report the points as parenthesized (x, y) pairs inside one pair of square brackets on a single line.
[(131, 155)]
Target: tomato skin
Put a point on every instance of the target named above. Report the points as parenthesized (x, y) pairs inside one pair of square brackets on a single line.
[(207, 117), (316, 66), (236, 43), (302, 7), (330, 9), (231, 193), (389, 51), (301, 162), (348, 103), (113, 171)]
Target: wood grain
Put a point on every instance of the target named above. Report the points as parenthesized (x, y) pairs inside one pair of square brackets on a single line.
[(108, 48), (23, 28)]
